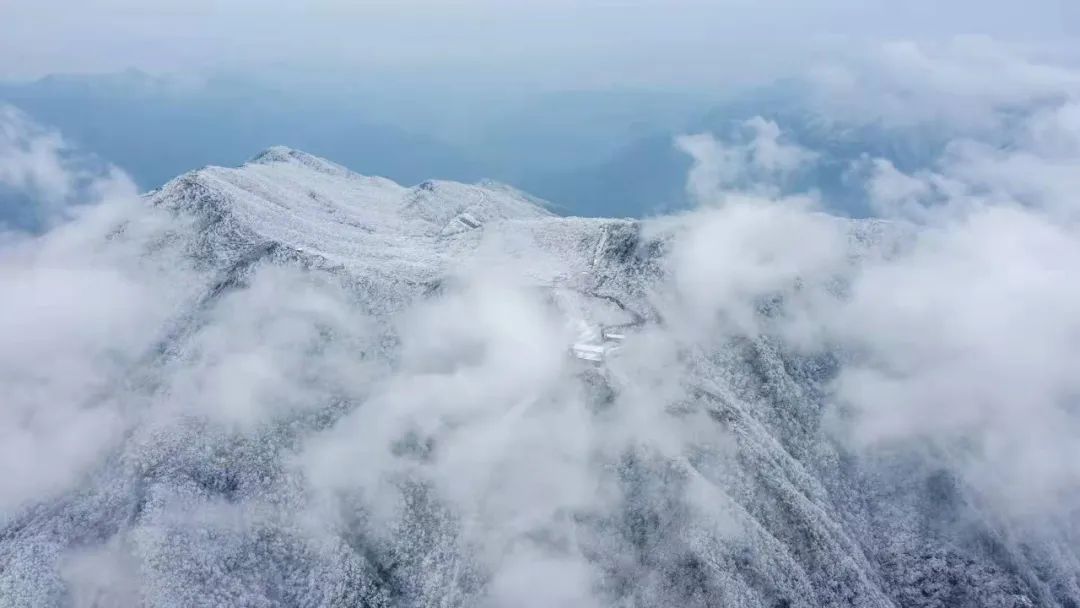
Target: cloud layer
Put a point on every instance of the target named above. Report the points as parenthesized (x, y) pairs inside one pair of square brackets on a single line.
[(961, 333)]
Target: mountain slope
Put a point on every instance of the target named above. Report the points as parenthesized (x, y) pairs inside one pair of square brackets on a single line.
[(357, 393)]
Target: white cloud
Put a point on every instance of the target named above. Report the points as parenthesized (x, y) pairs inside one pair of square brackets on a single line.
[(965, 337), (731, 257), (37, 163), (759, 160), (965, 84), (74, 315), (32, 158)]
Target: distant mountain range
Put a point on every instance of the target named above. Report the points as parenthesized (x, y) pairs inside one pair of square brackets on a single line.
[(155, 129), (589, 153)]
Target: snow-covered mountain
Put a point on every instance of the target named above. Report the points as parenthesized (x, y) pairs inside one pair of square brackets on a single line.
[(340, 391)]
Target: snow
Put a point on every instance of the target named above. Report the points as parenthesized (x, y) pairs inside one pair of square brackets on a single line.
[(300, 282)]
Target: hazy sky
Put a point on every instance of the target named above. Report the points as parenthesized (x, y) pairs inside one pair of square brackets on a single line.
[(579, 42)]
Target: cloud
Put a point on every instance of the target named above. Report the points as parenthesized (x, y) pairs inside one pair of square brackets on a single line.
[(74, 315), (965, 84), (960, 330), (968, 339), (760, 159), (971, 330), (42, 178), (730, 258), (487, 412), (32, 158)]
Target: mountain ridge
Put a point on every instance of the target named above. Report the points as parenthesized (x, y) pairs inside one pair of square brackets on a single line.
[(361, 393)]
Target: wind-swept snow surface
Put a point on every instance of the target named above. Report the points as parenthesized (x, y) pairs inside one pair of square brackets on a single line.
[(289, 385)]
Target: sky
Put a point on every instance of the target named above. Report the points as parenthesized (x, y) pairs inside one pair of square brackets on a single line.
[(578, 43)]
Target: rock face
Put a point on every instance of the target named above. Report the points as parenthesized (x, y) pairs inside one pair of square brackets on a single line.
[(361, 394)]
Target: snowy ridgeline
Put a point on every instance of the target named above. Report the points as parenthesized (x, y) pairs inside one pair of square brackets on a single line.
[(339, 391)]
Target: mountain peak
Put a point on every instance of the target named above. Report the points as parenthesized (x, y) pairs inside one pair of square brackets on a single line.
[(305, 203), (285, 154)]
